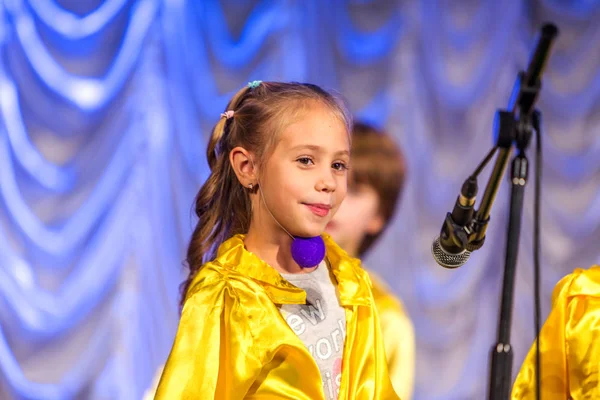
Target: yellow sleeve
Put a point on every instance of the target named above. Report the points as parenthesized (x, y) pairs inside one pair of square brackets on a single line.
[(398, 338), (569, 343), (583, 347), (212, 356), (399, 342)]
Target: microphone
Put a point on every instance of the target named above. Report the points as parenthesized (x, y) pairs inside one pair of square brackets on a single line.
[(528, 84), (539, 59), (449, 249)]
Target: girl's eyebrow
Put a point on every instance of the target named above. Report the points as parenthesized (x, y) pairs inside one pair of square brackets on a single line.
[(307, 147), (319, 149)]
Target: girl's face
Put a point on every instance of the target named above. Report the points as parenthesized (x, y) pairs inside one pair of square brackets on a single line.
[(304, 179)]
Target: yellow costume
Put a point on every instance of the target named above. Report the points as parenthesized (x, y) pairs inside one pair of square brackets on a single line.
[(398, 338), (233, 343), (570, 343)]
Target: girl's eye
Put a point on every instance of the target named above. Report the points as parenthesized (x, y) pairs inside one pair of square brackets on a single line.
[(305, 161), (339, 166)]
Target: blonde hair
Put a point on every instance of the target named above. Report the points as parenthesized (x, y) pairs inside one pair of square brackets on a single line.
[(260, 113)]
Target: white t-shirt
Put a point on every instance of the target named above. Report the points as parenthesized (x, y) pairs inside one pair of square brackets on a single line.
[(320, 324)]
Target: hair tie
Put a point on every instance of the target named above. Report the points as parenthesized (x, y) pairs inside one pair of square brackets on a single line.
[(227, 114), (254, 84)]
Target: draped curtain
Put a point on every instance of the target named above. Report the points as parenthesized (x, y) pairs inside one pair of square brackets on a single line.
[(105, 110)]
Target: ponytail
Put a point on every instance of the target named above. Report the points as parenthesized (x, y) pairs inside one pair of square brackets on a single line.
[(220, 198)]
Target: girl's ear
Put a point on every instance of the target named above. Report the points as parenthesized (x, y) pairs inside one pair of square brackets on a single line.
[(242, 163)]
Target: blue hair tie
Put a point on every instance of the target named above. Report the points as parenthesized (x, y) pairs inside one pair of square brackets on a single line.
[(254, 84)]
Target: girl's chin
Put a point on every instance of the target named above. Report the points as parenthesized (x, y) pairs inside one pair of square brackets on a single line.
[(312, 232)]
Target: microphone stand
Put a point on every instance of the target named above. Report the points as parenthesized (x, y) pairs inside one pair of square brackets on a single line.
[(513, 127), (517, 125), (502, 354)]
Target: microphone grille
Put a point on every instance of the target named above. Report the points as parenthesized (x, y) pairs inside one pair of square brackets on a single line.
[(448, 260)]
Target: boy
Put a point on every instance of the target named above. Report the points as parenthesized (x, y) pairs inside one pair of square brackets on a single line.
[(375, 182)]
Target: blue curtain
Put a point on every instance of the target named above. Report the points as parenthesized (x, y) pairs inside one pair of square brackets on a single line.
[(105, 109)]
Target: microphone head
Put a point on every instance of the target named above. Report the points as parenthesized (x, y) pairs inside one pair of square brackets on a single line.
[(448, 260)]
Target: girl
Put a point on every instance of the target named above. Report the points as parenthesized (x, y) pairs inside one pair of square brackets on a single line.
[(280, 310)]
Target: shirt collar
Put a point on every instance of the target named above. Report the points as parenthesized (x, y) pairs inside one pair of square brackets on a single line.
[(352, 286)]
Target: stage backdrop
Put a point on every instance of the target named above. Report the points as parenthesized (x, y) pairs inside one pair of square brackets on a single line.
[(105, 111)]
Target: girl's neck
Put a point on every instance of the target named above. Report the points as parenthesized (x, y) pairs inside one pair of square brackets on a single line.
[(274, 247)]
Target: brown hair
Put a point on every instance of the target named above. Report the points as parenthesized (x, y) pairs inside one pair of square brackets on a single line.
[(260, 114), (377, 162)]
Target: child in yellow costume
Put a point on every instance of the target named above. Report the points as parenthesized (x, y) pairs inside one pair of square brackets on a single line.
[(374, 187), (260, 319), (569, 345)]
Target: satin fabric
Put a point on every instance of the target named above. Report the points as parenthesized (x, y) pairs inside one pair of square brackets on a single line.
[(569, 343), (233, 343), (398, 337)]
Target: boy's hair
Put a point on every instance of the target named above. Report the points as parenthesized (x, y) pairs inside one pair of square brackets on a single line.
[(261, 111), (377, 162)]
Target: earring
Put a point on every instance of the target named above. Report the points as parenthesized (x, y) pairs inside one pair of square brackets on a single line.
[(250, 186)]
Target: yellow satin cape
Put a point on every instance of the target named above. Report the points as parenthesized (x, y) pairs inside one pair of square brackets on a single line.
[(398, 337), (233, 343), (569, 343)]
